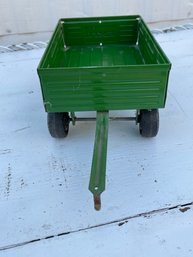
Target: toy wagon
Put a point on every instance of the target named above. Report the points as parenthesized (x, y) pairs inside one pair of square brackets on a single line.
[(101, 64)]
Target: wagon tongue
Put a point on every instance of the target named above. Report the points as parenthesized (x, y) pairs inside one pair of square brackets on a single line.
[(98, 169)]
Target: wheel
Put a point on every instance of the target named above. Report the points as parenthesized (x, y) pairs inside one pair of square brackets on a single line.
[(58, 124), (149, 122)]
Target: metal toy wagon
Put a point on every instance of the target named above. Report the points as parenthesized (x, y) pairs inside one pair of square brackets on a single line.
[(101, 64)]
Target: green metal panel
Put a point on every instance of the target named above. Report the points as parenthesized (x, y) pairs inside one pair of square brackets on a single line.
[(97, 30), (105, 63), (104, 89), (98, 170)]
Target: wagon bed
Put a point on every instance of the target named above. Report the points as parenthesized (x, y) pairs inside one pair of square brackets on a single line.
[(101, 64), (105, 63)]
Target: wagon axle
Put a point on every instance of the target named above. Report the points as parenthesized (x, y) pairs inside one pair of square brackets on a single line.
[(74, 119)]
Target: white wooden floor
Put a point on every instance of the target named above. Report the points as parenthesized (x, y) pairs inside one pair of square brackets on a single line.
[(45, 206)]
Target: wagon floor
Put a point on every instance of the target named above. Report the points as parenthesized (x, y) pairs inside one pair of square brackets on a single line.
[(112, 55)]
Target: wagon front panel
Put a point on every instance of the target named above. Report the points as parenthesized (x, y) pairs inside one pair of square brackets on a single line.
[(116, 88)]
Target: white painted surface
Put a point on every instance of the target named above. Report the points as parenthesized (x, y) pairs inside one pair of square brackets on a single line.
[(26, 21), (168, 235), (43, 181)]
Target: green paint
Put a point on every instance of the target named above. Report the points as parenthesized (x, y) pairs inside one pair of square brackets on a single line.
[(98, 170), (105, 63)]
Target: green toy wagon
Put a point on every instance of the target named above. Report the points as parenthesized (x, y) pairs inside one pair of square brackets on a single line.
[(101, 64)]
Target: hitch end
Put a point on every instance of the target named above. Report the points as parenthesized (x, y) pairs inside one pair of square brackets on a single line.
[(97, 202)]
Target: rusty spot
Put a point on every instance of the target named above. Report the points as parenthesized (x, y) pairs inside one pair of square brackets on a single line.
[(184, 209), (97, 202)]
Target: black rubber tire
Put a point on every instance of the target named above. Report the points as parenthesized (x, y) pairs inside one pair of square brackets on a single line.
[(149, 122), (58, 124)]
